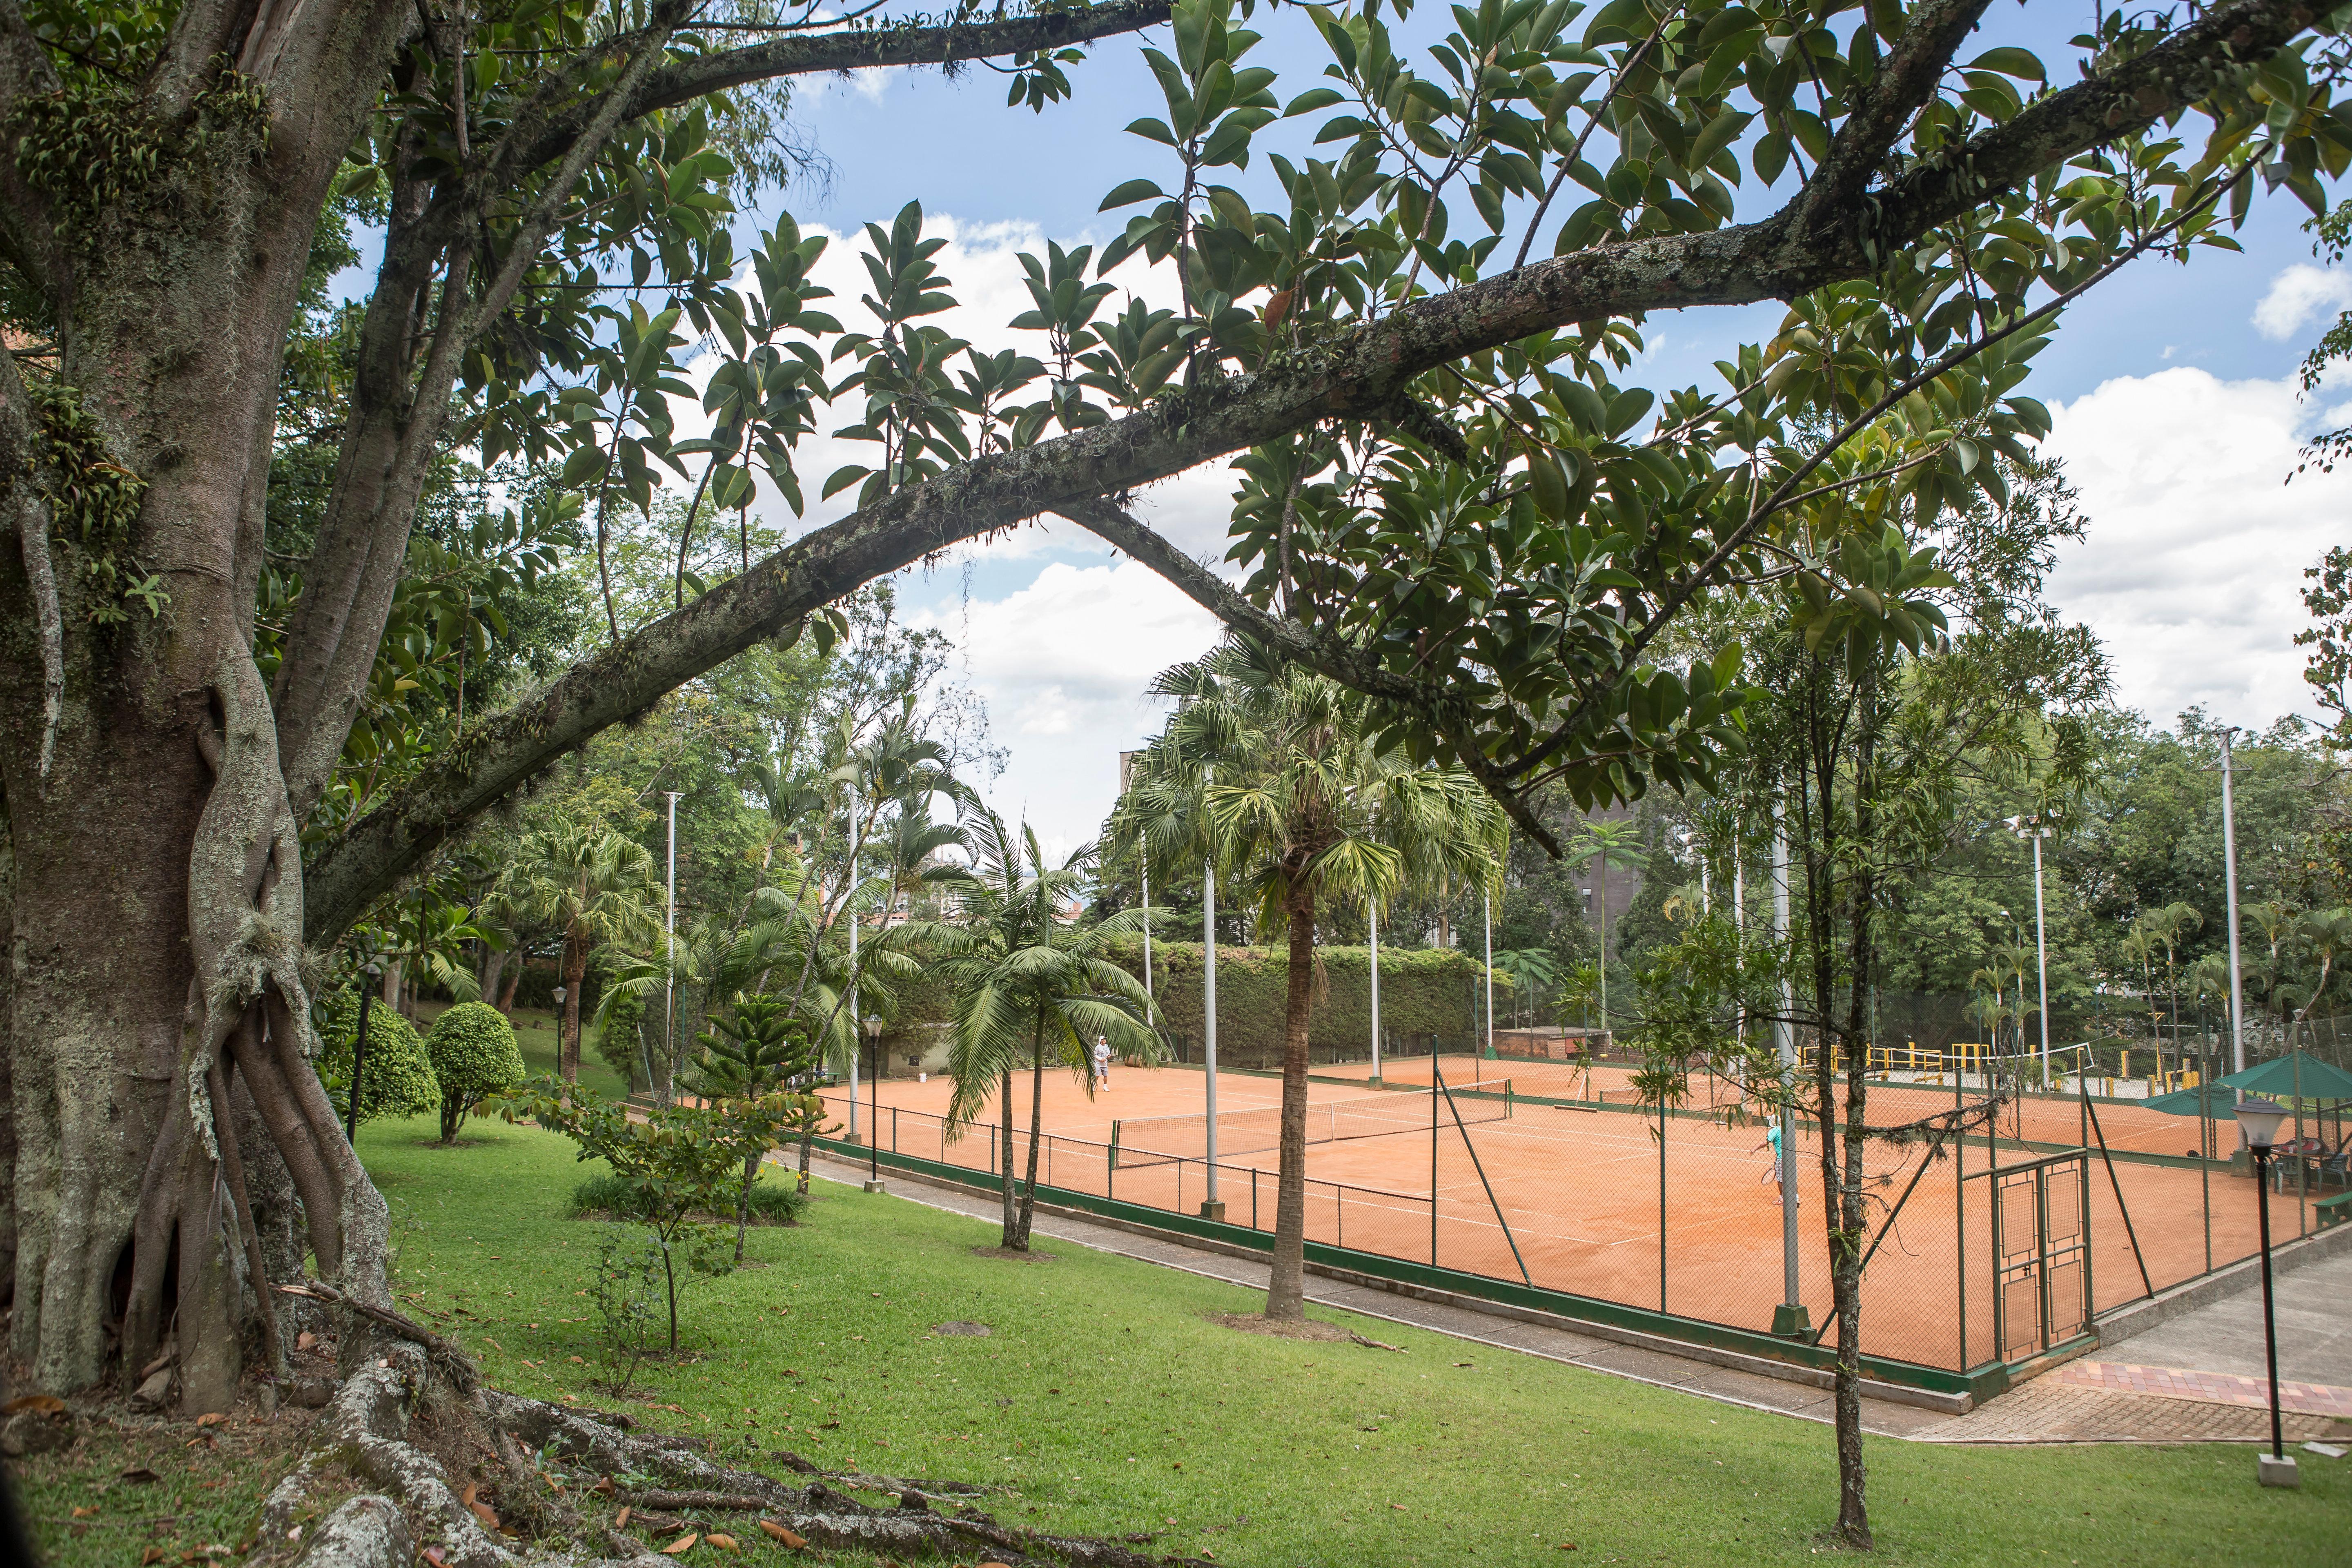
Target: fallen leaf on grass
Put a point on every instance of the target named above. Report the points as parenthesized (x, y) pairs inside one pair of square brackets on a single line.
[(494, 1345), (84, 1512), (1400, 1507), (141, 1474), (782, 1536), (604, 1484), (723, 1541), (41, 1404), (210, 1418), (679, 1546), (1568, 1546), (621, 1520), (482, 1511)]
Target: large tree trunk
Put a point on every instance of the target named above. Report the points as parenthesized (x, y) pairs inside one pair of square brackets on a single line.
[(1285, 1291)]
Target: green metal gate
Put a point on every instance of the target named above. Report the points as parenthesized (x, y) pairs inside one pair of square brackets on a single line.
[(2041, 1254)]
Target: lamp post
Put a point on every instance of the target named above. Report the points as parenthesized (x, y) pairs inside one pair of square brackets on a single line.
[(2036, 829), (2259, 1121), (873, 1027)]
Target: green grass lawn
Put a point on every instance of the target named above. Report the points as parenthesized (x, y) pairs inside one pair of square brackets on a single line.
[(1111, 1404)]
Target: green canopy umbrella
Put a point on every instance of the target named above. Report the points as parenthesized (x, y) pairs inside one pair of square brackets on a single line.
[(2211, 1100), (2296, 1073), (2280, 1079)]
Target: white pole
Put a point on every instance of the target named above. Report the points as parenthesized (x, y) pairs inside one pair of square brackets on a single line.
[(2040, 952), (1740, 908), (1489, 919), (669, 945), (1147, 925), (1784, 1034), (2229, 881), (1376, 993), (1210, 1208), (849, 907)]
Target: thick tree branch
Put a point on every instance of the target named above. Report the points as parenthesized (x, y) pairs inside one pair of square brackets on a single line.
[(1359, 374), (1906, 81), (860, 49)]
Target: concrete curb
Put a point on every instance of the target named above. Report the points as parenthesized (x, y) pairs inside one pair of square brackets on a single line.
[(2138, 1317)]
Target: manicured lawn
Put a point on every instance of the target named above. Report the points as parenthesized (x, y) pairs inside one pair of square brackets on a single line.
[(1111, 1405)]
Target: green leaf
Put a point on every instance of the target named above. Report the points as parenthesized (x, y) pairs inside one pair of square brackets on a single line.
[(1131, 192)]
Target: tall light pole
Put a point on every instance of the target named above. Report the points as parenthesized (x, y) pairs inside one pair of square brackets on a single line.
[(2230, 891), (1791, 1317), (1210, 1208), (849, 907), (1143, 856), (1488, 908), (669, 945), (1375, 909), (2036, 829)]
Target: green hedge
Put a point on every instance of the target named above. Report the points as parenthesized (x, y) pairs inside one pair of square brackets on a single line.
[(1425, 993)]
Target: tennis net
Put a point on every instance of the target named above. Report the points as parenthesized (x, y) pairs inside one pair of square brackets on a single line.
[(1162, 1139)]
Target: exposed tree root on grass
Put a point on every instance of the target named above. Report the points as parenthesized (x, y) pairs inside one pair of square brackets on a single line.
[(548, 1484)]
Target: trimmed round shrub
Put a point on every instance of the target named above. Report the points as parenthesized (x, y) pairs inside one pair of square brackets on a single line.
[(475, 1056), (396, 1075)]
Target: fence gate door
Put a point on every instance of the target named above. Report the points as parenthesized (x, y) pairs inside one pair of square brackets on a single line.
[(2042, 1255)]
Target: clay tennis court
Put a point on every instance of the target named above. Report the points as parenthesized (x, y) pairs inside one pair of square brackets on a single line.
[(1589, 1199)]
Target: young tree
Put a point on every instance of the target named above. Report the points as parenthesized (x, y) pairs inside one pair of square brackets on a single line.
[(169, 745), (474, 1057), (1030, 987), (1273, 771), (754, 1050)]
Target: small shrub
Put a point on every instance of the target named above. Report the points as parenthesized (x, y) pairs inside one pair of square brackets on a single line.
[(396, 1073), (773, 1202), (474, 1055)]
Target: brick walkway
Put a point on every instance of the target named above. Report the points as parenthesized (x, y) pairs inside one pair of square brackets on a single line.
[(2207, 1387), (2060, 1406), (2051, 1410)]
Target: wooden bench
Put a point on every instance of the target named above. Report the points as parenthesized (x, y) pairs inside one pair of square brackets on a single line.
[(2334, 1211)]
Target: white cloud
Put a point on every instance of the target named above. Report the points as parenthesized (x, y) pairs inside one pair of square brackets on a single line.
[(2192, 570), (2300, 296), (1063, 663)]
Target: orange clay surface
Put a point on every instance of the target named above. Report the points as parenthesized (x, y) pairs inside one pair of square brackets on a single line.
[(1580, 1188)]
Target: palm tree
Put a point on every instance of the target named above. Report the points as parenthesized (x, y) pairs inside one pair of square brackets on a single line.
[(2276, 919), (1528, 970), (2165, 928), (1271, 770), (596, 888), (2140, 945), (1029, 988), (1596, 840), (2326, 935)]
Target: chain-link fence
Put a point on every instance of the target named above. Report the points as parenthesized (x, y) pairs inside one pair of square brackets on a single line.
[(1987, 1246)]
